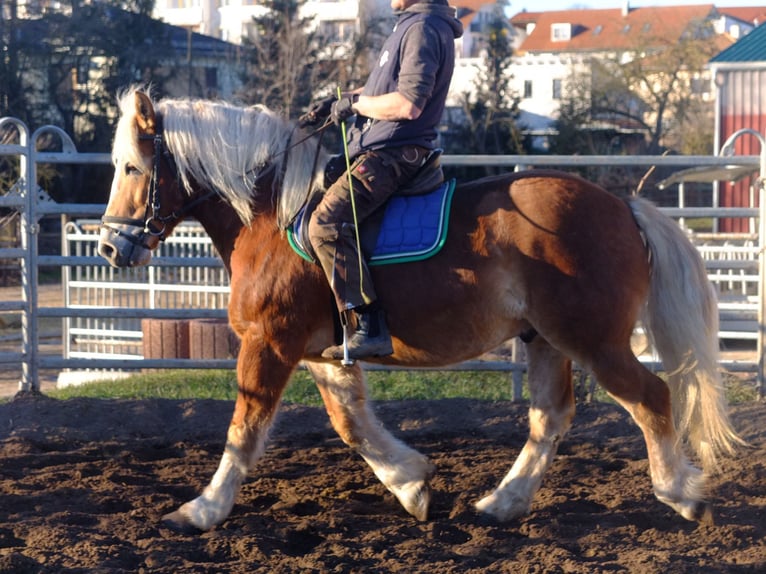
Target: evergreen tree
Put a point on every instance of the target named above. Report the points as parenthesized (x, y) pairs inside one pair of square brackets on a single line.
[(488, 123)]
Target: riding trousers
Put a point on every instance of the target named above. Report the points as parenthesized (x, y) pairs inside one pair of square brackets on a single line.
[(375, 176)]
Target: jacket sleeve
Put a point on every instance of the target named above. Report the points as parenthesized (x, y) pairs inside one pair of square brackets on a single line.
[(419, 61)]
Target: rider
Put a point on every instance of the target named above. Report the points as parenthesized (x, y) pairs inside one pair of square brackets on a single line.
[(397, 112)]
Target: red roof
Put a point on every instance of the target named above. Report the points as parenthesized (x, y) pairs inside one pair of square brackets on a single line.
[(467, 9), (474, 5), (597, 30), (754, 14)]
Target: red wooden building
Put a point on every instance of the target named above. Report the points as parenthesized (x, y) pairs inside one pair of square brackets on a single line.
[(740, 77)]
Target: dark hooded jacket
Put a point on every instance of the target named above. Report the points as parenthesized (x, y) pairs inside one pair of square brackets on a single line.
[(416, 60)]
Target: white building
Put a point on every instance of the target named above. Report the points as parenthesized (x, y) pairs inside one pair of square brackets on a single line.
[(339, 20), (231, 20), (554, 45)]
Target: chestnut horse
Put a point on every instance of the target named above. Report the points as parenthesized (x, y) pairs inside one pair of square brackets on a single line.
[(543, 255)]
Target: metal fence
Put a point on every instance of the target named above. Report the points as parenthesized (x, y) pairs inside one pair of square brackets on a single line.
[(103, 307), (202, 284)]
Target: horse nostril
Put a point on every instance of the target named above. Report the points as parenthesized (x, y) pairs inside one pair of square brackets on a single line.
[(106, 251)]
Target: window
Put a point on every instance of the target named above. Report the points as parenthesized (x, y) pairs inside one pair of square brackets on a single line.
[(561, 32), (557, 89), (527, 89), (81, 72), (211, 77), (700, 86), (336, 31)]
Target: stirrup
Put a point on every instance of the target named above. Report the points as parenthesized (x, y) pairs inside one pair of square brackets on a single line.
[(361, 344)]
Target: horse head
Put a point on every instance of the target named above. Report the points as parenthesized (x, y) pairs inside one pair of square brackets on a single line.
[(146, 200), (169, 161)]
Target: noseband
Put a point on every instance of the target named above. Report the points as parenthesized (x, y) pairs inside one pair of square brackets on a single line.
[(152, 211)]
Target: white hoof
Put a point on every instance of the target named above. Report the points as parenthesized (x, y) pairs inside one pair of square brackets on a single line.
[(180, 522), (201, 514), (503, 507), (415, 497), (692, 510)]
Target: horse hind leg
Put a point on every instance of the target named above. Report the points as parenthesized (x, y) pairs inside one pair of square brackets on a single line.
[(646, 397), (402, 470), (550, 416)]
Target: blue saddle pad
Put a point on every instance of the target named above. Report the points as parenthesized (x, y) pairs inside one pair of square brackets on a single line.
[(414, 227)]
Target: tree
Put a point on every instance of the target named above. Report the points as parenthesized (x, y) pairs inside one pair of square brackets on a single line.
[(488, 122), (65, 67), (283, 55), (12, 101), (650, 86)]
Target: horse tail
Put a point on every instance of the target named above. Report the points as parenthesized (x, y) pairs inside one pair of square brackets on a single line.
[(681, 321)]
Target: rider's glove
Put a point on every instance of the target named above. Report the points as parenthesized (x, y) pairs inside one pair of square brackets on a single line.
[(343, 109), (318, 111)]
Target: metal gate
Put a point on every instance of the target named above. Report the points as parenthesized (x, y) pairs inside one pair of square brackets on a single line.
[(103, 306)]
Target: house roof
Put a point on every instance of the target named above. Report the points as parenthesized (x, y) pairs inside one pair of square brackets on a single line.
[(473, 5), (525, 17), (468, 9), (753, 14), (609, 29), (750, 48), (174, 37)]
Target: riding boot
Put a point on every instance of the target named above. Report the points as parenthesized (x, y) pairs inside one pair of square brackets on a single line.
[(370, 339)]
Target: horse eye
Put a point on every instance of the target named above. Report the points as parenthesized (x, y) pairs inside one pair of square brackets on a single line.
[(131, 169)]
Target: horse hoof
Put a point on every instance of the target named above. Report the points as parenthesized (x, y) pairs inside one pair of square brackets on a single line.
[(502, 508), (701, 512), (178, 522), (692, 510), (488, 520), (415, 498)]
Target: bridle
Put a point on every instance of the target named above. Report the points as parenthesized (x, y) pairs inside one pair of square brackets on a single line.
[(153, 223)]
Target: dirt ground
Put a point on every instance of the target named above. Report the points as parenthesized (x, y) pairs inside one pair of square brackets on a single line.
[(84, 483)]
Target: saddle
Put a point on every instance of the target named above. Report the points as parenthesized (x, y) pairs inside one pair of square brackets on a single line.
[(410, 226)]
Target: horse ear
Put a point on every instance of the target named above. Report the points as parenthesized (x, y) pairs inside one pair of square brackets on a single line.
[(144, 113)]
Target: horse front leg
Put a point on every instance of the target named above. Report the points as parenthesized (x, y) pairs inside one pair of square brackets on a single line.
[(262, 374), (402, 470), (550, 416)]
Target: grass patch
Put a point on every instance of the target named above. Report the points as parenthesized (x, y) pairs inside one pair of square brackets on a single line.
[(166, 384), (222, 385), (383, 386), (699, 224)]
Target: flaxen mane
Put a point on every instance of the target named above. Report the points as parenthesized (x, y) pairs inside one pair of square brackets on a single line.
[(226, 147)]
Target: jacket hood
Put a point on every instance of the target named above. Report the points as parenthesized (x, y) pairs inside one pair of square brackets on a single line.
[(437, 8)]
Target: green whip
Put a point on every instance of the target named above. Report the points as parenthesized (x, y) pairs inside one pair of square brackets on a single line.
[(351, 193), (346, 360)]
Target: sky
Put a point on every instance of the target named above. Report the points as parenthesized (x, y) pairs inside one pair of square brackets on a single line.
[(551, 5)]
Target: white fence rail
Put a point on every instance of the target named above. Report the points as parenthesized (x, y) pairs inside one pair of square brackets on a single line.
[(103, 307)]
